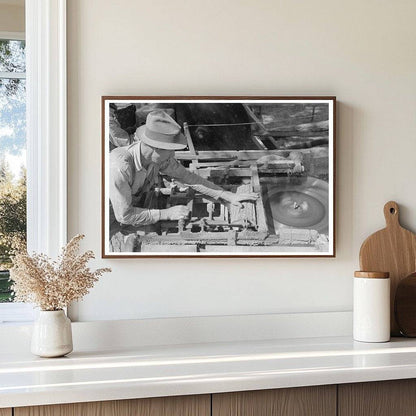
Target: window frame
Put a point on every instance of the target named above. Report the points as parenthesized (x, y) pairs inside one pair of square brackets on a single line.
[(46, 137), (12, 35)]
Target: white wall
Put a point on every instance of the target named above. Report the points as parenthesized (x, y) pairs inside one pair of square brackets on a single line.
[(361, 51)]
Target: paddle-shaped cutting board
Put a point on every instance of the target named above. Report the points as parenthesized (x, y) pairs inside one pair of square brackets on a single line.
[(393, 250)]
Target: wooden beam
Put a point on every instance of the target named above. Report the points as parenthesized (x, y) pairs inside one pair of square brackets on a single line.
[(189, 138), (261, 214), (191, 146), (259, 123), (258, 142), (276, 168), (305, 127), (294, 133), (301, 130), (264, 131), (210, 155)]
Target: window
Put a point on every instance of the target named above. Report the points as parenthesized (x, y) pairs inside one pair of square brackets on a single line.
[(45, 27), (12, 153)]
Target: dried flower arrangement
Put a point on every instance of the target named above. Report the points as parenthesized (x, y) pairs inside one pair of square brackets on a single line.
[(53, 285)]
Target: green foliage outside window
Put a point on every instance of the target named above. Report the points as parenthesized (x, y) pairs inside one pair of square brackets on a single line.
[(12, 148), (12, 223)]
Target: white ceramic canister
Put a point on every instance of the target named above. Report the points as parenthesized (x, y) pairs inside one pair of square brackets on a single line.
[(371, 313), (52, 334)]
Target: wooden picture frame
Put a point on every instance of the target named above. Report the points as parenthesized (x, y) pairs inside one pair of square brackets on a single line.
[(281, 148)]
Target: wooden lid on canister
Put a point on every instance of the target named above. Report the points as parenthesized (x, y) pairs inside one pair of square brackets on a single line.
[(372, 275)]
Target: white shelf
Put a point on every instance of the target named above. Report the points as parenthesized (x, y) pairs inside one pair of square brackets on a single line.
[(150, 371)]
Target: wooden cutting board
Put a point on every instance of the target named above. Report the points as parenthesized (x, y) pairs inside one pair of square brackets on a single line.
[(393, 250)]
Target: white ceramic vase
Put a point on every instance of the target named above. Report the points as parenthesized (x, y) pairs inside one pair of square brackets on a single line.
[(52, 334)]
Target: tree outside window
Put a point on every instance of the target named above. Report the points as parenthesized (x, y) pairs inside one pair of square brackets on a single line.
[(12, 156)]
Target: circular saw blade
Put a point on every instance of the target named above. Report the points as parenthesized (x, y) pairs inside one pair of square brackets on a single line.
[(299, 203)]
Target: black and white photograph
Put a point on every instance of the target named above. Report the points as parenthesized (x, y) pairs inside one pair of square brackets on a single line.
[(218, 176)]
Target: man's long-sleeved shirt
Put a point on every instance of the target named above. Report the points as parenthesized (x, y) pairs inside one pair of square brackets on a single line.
[(128, 177)]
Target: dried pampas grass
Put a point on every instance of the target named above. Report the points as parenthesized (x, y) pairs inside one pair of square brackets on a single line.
[(53, 285)]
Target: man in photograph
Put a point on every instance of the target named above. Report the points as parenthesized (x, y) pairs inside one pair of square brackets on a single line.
[(134, 171)]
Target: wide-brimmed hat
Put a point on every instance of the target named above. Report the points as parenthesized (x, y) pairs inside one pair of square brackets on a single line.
[(161, 131)]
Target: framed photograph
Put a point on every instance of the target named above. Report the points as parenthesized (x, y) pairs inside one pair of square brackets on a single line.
[(218, 176)]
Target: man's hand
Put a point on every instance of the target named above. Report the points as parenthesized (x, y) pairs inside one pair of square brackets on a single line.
[(178, 212), (237, 199)]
